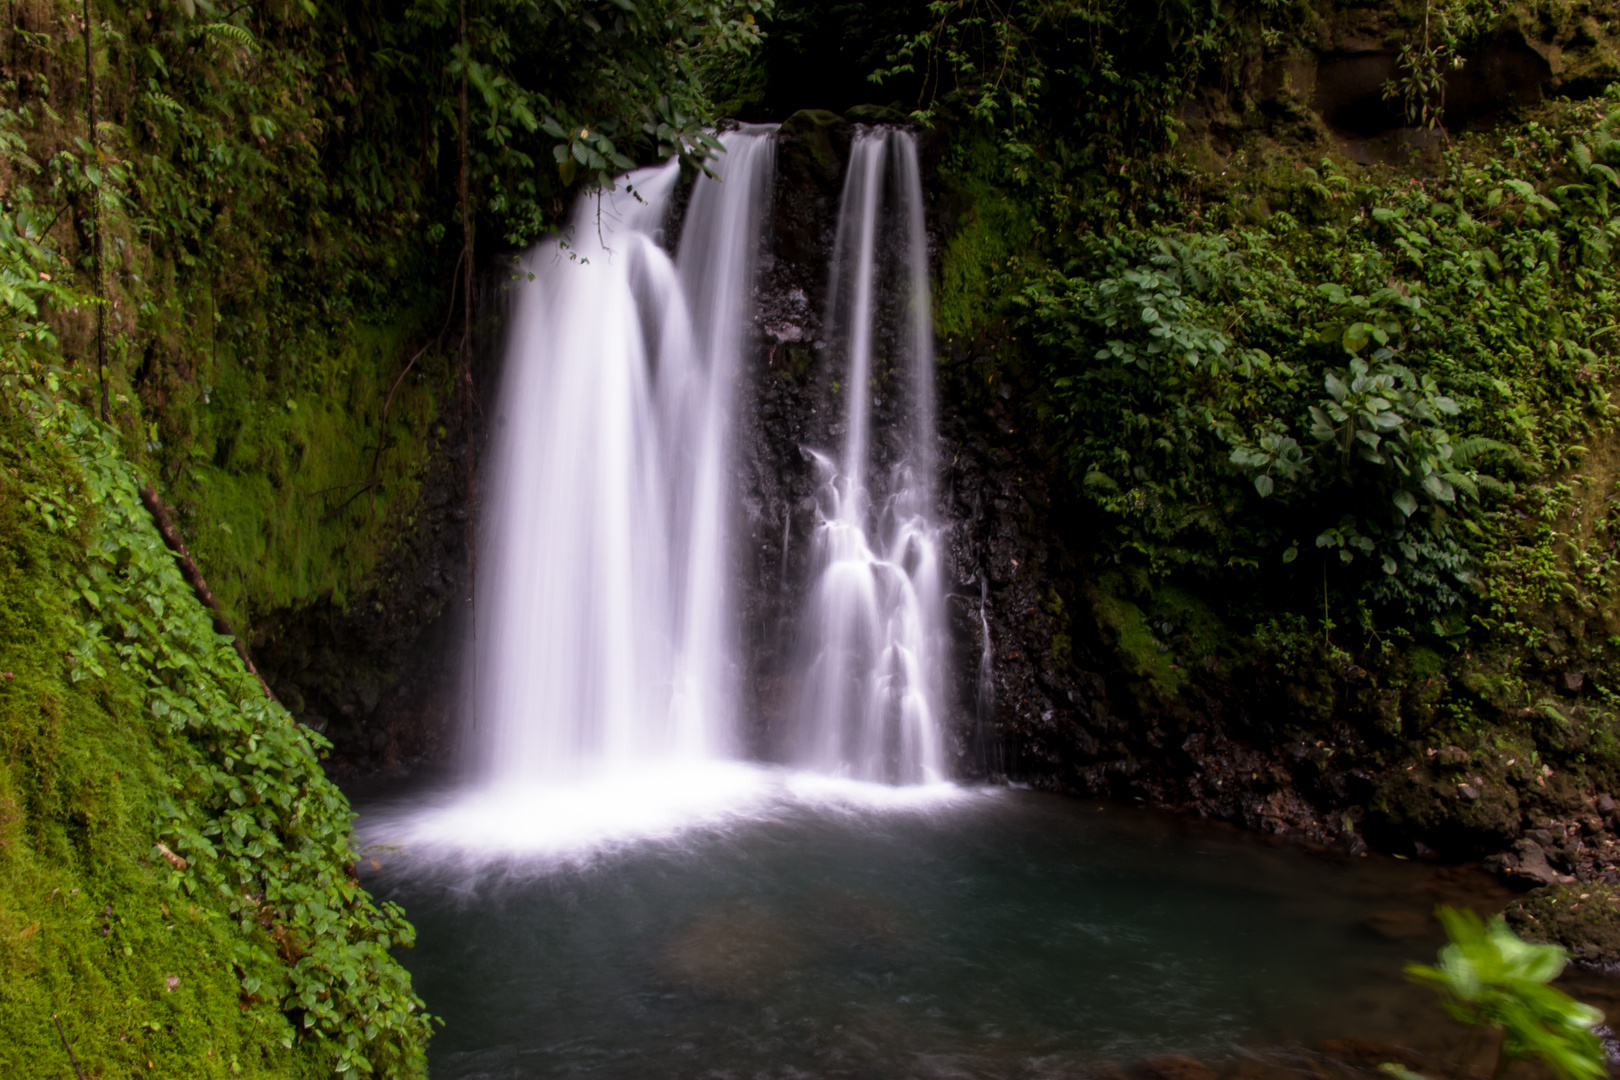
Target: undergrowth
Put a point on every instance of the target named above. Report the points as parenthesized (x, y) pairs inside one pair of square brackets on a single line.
[(176, 866), (1358, 417), (176, 886)]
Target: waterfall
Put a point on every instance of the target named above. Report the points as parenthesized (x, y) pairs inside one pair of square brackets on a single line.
[(604, 629), (605, 661), (985, 707), (873, 641), (986, 743)]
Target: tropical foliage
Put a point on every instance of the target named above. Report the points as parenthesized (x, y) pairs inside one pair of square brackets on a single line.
[(1487, 976), (286, 194)]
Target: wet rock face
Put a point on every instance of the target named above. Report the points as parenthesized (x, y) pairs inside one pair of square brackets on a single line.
[(785, 407), (378, 677), (791, 403), (1031, 706)]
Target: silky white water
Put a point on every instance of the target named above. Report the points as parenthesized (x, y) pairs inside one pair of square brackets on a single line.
[(874, 637), (604, 641), (604, 674)]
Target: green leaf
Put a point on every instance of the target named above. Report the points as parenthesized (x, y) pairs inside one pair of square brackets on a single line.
[(1490, 976)]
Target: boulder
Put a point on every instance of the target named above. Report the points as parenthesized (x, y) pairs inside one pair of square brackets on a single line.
[(1525, 866), (1583, 918)]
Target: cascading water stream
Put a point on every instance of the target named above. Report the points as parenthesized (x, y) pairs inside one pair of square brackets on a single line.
[(604, 691), (874, 637), (603, 607)]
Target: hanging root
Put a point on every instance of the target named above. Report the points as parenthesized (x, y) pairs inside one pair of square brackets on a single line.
[(193, 576)]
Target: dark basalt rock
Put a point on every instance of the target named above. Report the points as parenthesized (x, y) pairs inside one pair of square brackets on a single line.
[(1525, 865), (783, 407), (378, 677)]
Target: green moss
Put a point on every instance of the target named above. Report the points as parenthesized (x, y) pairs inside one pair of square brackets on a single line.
[(993, 232), (127, 723), (1502, 691), (1062, 654), (1160, 641), (278, 495), (1425, 663), (812, 128), (87, 929)]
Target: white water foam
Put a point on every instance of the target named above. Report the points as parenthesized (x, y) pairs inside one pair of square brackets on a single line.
[(513, 831)]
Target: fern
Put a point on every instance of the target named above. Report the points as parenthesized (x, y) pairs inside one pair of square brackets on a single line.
[(163, 103), (237, 35)]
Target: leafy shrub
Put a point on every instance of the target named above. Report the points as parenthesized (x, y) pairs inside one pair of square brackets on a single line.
[(1234, 399), (1490, 977)]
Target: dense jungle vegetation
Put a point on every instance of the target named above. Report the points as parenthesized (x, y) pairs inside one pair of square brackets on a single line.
[(1338, 414), (218, 287), (1338, 407)]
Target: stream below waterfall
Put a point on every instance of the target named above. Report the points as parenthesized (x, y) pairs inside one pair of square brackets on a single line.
[(834, 929)]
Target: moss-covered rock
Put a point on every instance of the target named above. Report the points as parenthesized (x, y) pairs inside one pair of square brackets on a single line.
[(817, 138), (1583, 918), (1469, 814)]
